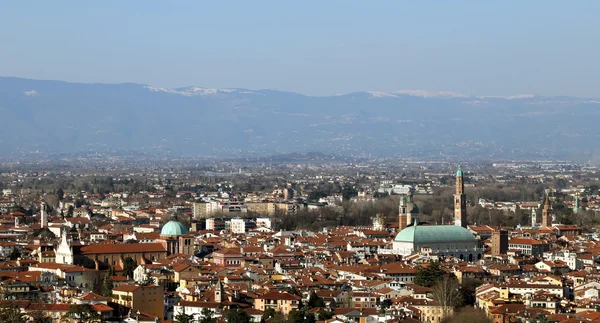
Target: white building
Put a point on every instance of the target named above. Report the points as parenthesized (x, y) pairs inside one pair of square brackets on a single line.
[(238, 226)]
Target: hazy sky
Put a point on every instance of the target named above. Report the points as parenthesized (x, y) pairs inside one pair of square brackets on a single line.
[(313, 47)]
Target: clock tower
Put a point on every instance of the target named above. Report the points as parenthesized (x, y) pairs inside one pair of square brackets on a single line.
[(460, 200)]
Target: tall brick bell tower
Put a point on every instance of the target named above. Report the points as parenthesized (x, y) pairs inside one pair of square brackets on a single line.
[(460, 200)]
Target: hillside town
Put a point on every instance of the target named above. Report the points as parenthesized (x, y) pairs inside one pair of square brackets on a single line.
[(295, 252)]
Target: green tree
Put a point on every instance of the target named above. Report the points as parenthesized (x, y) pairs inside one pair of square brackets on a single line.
[(268, 313), (348, 192), (11, 313), (83, 313), (129, 265), (107, 286), (309, 318), (237, 316), (467, 289), (111, 272), (184, 318), (296, 316), (60, 194), (429, 275), (14, 254), (315, 301), (323, 315), (207, 316)]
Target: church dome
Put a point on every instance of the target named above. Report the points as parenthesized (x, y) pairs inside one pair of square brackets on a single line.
[(173, 228), (434, 234)]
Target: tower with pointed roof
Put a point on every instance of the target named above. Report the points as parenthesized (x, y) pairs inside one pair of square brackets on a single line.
[(219, 292), (460, 200), (547, 213), (408, 210)]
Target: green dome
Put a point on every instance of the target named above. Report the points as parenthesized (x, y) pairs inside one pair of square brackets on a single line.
[(459, 171), (173, 228), (435, 234)]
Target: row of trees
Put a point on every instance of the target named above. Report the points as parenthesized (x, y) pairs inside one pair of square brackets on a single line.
[(82, 313)]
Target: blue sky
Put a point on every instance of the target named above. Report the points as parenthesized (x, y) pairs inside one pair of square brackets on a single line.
[(311, 47)]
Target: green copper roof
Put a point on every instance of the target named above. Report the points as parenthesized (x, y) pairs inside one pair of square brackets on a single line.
[(173, 228), (459, 171), (434, 234)]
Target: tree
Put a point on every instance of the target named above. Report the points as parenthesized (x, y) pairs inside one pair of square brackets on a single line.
[(107, 286), (296, 316), (268, 313), (82, 313), (429, 275), (315, 301), (237, 316), (184, 318), (11, 313), (14, 254), (332, 304), (541, 318), (111, 272), (467, 289), (446, 293), (39, 316), (324, 315), (207, 316), (348, 192), (60, 193), (129, 265)]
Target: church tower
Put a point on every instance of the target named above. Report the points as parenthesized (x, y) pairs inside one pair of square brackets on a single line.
[(408, 210), (547, 213), (43, 215), (402, 216), (460, 200), (219, 292)]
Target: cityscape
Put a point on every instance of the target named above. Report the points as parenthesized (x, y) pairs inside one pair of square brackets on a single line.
[(299, 162)]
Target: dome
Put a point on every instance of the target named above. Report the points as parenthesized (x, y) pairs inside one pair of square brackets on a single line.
[(434, 234), (173, 228), (459, 171)]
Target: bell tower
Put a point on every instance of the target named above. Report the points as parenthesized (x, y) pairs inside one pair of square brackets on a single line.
[(460, 200), (547, 213), (43, 215), (402, 216)]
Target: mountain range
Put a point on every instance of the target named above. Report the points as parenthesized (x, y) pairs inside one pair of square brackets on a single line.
[(62, 117)]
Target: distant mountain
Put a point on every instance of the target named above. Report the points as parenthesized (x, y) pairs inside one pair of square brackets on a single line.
[(54, 116)]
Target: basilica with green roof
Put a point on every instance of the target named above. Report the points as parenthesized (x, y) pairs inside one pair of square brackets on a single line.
[(444, 240)]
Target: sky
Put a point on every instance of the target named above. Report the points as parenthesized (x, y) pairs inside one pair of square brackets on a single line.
[(310, 47)]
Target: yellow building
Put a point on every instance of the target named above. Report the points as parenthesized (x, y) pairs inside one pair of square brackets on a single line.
[(146, 299), (279, 301)]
